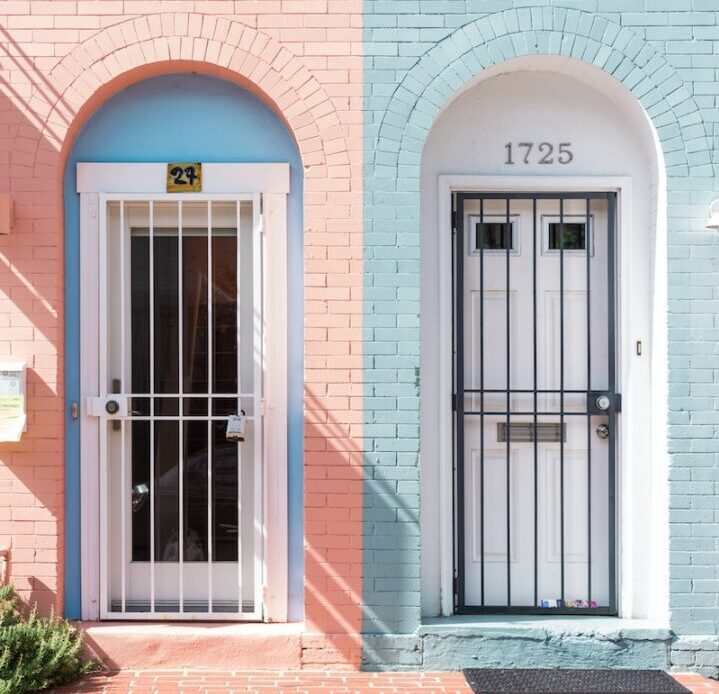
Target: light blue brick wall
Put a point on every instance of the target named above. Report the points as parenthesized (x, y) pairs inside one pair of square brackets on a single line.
[(418, 53)]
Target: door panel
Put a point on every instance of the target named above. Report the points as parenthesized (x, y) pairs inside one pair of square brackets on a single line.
[(534, 321)]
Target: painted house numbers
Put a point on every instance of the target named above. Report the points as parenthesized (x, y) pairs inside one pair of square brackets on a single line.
[(542, 153), (184, 177)]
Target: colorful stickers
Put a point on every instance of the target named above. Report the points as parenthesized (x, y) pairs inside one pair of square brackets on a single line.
[(557, 602)]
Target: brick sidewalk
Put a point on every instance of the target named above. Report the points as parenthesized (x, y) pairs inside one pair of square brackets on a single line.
[(304, 682)]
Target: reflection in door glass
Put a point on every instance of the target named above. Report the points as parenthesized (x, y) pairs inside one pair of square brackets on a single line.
[(194, 503), (194, 257), (224, 496), (167, 490)]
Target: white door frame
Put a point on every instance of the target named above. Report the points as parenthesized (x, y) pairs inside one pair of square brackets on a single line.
[(271, 184), (633, 383)]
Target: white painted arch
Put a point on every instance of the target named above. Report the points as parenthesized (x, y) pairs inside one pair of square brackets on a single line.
[(616, 147)]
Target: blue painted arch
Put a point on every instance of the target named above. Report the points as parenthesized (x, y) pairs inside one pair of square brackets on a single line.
[(183, 117)]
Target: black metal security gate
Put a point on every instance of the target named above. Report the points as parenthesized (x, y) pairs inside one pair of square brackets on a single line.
[(535, 402)]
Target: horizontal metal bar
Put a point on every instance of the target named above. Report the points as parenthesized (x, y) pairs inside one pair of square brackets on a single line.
[(524, 413), (533, 610), (175, 418), (174, 197), (187, 396), (502, 391), (167, 617), (574, 195)]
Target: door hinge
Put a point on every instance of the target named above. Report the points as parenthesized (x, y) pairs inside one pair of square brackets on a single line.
[(454, 220), (455, 590), (454, 402)]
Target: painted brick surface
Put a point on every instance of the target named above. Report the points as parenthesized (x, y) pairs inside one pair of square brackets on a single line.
[(417, 54), (62, 59)]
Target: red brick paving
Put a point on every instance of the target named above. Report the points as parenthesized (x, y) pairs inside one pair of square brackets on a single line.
[(300, 682)]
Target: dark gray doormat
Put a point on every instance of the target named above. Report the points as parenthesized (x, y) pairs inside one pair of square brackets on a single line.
[(513, 681)]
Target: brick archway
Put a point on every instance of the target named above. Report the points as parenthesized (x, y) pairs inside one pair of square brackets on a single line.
[(452, 62)]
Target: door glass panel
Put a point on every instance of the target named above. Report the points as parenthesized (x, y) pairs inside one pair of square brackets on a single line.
[(224, 297), (166, 301), (195, 498), (167, 491), (141, 491), (573, 234), (224, 496)]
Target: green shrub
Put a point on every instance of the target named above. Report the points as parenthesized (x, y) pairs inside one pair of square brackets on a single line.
[(36, 652)]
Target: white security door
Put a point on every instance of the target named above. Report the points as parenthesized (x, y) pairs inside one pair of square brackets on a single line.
[(535, 402), (181, 351)]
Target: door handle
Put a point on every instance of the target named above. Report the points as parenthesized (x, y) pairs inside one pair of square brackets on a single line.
[(603, 431), (603, 401)]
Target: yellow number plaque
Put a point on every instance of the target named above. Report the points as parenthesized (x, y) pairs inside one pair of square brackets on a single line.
[(184, 177)]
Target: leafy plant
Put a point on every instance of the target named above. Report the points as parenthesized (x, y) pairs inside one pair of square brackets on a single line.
[(36, 652)]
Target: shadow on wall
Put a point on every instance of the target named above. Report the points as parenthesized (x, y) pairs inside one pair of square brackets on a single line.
[(31, 471), (333, 539)]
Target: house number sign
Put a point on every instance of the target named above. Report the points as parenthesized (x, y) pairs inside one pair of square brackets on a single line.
[(184, 177), (542, 153)]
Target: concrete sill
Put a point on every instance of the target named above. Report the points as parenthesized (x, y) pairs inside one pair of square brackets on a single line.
[(212, 645), (541, 628)]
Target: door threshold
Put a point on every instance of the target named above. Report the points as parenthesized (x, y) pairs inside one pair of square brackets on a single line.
[(529, 625)]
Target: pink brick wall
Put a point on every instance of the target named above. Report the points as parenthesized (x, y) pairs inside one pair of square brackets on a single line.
[(58, 61)]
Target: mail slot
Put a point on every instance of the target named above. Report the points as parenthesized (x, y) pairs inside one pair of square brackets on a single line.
[(527, 432)]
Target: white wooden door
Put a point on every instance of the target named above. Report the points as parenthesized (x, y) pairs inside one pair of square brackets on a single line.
[(535, 482), (181, 350)]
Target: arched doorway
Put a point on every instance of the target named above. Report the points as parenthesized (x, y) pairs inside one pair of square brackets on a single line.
[(545, 294), (164, 311)]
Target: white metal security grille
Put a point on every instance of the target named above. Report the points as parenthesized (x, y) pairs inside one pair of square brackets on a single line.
[(181, 345)]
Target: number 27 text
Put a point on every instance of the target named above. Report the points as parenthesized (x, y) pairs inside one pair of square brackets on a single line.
[(526, 153)]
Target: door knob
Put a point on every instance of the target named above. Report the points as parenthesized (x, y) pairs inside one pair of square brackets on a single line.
[(603, 431), (112, 407)]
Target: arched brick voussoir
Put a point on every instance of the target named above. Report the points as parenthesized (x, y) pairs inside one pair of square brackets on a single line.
[(437, 76), (212, 44)]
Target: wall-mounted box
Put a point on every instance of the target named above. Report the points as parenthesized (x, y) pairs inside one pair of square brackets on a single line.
[(13, 387)]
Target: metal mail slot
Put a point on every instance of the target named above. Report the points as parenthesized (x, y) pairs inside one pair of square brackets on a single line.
[(528, 432)]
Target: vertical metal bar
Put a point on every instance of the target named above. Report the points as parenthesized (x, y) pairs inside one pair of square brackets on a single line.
[(561, 388), (481, 385), (612, 417), (509, 436), (210, 406), (456, 522), (258, 394), (238, 319), (459, 402), (181, 410), (103, 277), (152, 404), (588, 242), (535, 403), (123, 387)]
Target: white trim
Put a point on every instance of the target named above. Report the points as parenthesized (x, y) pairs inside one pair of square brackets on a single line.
[(634, 384), (89, 431), (275, 228), (149, 179), (246, 182)]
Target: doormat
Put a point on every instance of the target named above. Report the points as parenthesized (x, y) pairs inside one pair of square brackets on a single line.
[(514, 681)]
